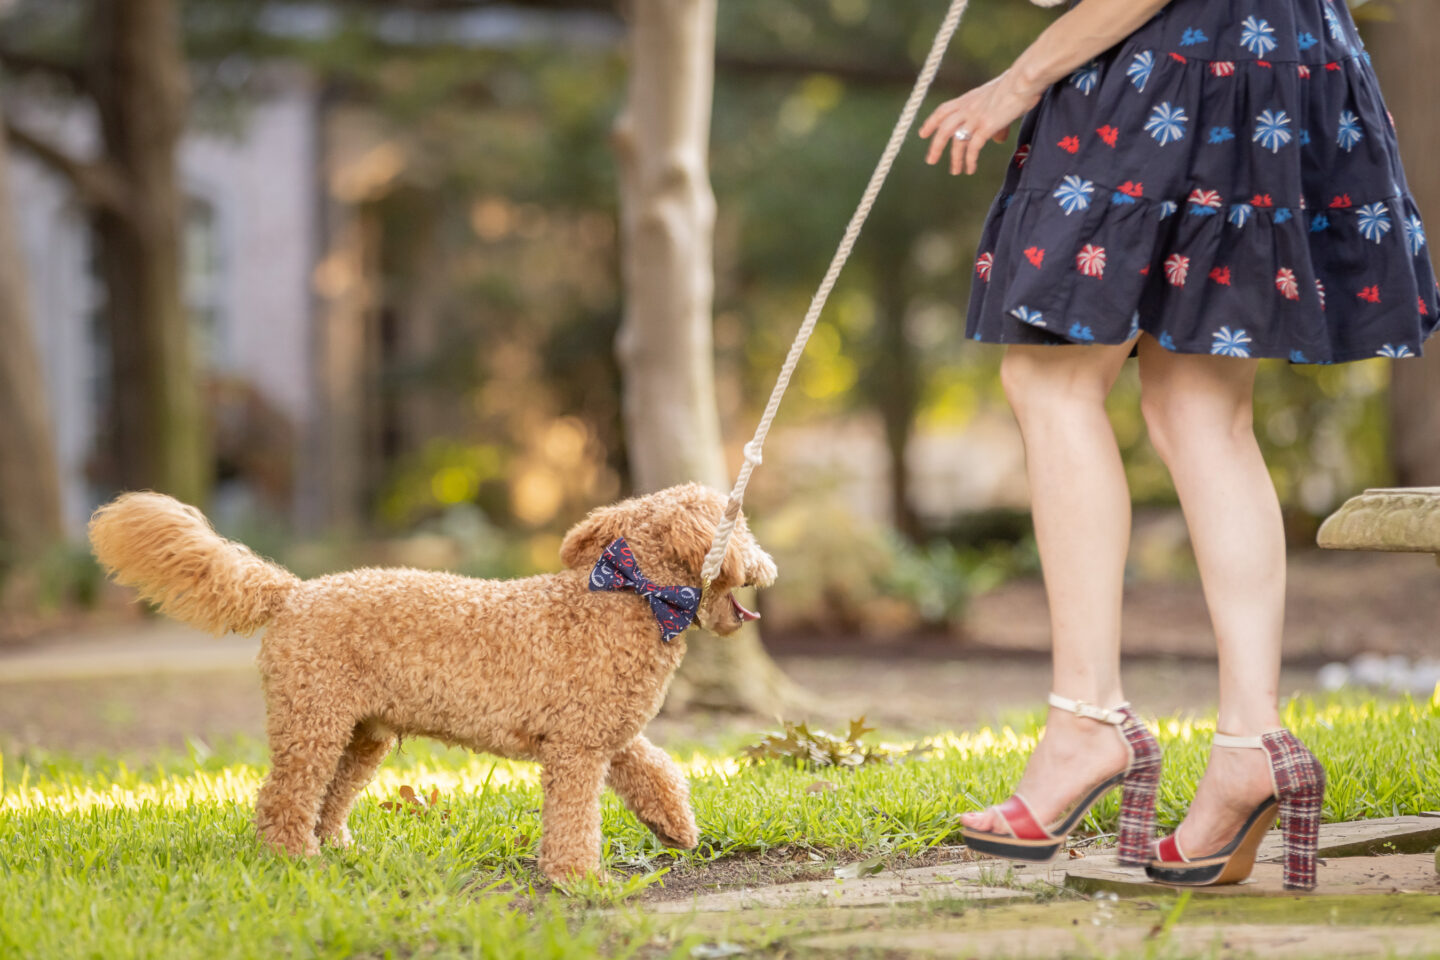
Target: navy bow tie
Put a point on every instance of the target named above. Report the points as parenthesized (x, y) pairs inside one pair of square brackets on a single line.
[(674, 607)]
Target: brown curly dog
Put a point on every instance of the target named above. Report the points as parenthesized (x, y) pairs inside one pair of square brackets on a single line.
[(537, 669)]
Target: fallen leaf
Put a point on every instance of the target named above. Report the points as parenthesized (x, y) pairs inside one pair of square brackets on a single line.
[(863, 868), (820, 786)]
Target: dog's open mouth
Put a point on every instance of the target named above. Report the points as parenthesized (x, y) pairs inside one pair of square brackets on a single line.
[(741, 612)]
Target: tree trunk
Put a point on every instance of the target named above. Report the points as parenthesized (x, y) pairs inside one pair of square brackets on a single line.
[(347, 284), (894, 384), (29, 479), (156, 434), (664, 348), (1399, 46)]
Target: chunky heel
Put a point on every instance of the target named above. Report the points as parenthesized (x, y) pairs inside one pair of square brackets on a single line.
[(1300, 821), (1026, 839), (1300, 787), (1137, 796), (1299, 794)]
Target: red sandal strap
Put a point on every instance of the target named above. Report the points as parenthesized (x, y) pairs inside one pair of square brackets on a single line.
[(1168, 851), (1017, 816)]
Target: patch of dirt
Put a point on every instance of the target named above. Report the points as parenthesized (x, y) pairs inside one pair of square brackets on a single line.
[(130, 715), (783, 865), (920, 696)]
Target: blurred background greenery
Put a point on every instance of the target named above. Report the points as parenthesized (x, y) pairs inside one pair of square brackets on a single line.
[(400, 264)]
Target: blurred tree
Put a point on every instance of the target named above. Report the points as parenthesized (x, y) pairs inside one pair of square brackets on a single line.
[(125, 58), (29, 481), (667, 221), (1401, 43)]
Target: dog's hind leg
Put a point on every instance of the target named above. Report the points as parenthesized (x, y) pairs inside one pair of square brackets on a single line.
[(655, 790), (570, 821), (368, 747), (305, 751)]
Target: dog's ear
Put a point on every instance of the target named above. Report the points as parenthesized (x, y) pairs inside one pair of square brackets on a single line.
[(669, 530), (585, 541), (688, 516)]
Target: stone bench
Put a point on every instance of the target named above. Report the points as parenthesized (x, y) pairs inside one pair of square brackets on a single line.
[(1402, 520)]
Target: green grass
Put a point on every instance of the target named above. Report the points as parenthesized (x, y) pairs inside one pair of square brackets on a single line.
[(99, 859)]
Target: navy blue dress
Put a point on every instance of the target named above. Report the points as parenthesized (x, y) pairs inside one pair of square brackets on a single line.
[(1227, 179)]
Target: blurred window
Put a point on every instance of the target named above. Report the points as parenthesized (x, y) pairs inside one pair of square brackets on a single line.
[(205, 265)]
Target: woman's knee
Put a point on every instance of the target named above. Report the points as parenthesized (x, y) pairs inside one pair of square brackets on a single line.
[(1038, 382), (1181, 419)]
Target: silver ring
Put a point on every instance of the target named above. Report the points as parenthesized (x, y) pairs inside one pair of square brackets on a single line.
[(962, 135)]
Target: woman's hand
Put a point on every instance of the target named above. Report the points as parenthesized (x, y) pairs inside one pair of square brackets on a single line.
[(985, 113)]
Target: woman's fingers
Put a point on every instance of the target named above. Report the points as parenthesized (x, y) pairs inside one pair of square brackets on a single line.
[(944, 134), (979, 115), (937, 115), (974, 145), (957, 156)]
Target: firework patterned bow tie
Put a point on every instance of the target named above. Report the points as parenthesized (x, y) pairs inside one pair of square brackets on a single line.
[(674, 607)]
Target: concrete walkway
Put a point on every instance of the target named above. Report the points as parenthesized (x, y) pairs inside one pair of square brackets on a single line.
[(1366, 856), (1366, 905), (146, 648)]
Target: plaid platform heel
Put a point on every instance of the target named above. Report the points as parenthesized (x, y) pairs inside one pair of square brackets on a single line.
[(1026, 839), (1299, 791)]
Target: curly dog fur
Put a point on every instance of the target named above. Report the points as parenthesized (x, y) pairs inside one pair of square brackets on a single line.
[(535, 669)]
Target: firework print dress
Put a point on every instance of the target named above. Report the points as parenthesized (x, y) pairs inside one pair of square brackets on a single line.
[(1227, 180)]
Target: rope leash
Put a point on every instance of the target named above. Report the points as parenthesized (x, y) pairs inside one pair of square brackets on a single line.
[(755, 448)]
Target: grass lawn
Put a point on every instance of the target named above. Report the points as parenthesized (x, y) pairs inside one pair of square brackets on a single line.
[(101, 860)]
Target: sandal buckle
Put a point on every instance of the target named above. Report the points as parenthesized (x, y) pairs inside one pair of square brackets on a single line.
[(1088, 711)]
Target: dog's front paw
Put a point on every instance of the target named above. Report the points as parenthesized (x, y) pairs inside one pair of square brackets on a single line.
[(569, 872), (339, 838), (294, 846), (680, 835)]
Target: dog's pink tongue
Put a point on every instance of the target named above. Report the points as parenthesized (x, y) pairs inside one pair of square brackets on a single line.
[(744, 614)]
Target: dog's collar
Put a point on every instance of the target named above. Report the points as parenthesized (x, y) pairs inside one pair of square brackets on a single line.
[(675, 608)]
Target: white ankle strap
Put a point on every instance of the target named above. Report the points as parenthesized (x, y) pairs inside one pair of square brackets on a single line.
[(1088, 710), (1225, 740)]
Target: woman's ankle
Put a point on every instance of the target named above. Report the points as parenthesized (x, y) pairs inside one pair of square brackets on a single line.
[(1106, 696), (1248, 722)]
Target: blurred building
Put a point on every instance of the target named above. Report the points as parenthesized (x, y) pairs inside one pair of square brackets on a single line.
[(251, 244), (284, 243)]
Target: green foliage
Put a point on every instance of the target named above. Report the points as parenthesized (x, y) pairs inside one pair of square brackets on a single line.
[(938, 579), (65, 576), (444, 474), (841, 571), (799, 746), (70, 578)]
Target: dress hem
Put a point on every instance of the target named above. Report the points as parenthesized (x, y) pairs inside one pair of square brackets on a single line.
[(1066, 340)]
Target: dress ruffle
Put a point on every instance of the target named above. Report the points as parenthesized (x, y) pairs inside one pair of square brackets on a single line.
[(1227, 180)]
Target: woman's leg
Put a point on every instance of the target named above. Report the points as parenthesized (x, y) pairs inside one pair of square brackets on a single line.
[(1081, 507), (1199, 410)]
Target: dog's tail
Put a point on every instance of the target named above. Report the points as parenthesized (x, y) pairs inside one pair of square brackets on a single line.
[(169, 551)]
